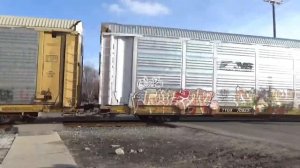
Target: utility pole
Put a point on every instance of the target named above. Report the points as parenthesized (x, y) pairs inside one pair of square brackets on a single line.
[(273, 3)]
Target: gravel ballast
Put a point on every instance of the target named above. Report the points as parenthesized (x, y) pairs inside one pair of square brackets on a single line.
[(155, 146)]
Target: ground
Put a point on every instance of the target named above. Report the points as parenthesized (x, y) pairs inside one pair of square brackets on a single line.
[(188, 143), (7, 137), (177, 147)]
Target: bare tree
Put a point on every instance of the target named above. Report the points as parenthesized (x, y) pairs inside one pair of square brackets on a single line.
[(90, 84)]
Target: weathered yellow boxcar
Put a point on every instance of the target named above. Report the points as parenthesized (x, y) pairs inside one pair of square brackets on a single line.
[(40, 64)]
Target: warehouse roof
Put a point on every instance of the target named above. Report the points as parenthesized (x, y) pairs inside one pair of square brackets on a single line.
[(196, 35), (15, 21)]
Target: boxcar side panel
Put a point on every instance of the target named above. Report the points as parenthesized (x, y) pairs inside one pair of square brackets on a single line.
[(18, 64), (235, 74), (213, 75), (276, 77), (199, 65), (159, 63), (297, 79), (40, 64), (49, 84)]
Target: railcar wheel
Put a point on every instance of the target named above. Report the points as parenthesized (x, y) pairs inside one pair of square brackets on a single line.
[(153, 119), (144, 118), (159, 119), (174, 118)]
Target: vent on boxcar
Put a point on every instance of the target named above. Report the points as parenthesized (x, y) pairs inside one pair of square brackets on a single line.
[(54, 34)]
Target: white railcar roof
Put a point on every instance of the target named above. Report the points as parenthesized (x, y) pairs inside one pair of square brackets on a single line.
[(196, 35)]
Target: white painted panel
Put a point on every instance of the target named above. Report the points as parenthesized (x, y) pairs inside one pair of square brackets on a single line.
[(124, 54)]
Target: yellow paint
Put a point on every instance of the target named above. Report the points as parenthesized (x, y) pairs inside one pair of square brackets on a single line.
[(59, 71), (156, 110), (119, 109), (70, 72), (294, 112), (50, 67), (21, 108), (79, 68)]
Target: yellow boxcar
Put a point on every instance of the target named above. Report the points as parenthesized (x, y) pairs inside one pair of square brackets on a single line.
[(40, 64)]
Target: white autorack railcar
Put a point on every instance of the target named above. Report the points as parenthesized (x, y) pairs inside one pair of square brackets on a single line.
[(166, 71)]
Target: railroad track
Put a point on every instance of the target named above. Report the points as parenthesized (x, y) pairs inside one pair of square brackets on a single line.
[(104, 124), (91, 121), (114, 123)]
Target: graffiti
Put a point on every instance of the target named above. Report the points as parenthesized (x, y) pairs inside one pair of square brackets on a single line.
[(279, 94), (236, 66), (271, 100), (183, 99), (223, 95), (186, 98), (146, 83), (24, 94), (199, 101), (157, 97), (244, 97), (276, 101), (214, 105), (6, 95)]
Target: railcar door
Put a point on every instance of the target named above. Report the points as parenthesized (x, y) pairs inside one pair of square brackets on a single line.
[(50, 74)]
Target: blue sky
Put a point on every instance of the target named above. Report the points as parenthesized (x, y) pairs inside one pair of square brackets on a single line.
[(252, 17)]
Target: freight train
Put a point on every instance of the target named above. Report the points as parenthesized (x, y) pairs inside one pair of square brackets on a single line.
[(40, 65), (147, 71)]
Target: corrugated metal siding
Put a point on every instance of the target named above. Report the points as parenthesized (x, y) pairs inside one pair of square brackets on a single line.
[(18, 65), (297, 76), (235, 73), (199, 65), (185, 63), (276, 72), (197, 35), (275, 68), (14, 21), (160, 59)]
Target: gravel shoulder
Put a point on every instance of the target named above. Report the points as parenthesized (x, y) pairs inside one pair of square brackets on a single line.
[(171, 147)]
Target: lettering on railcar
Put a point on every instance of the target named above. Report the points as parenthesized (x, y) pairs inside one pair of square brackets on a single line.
[(236, 110), (50, 74), (236, 66)]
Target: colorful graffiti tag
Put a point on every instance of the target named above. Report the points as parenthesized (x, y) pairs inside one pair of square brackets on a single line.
[(271, 100), (198, 101), (146, 83), (244, 97), (183, 99)]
